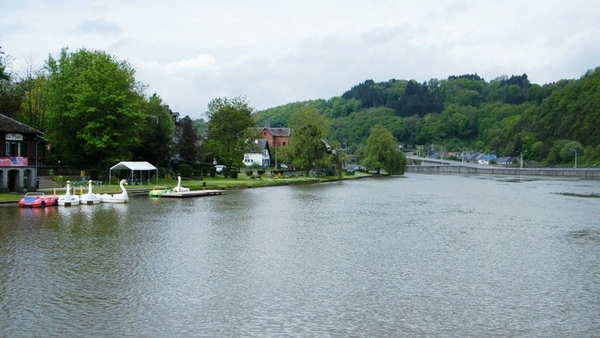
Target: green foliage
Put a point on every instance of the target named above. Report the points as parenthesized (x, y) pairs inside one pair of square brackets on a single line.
[(229, 127), (538, 151), (381, 152), (570, 150), (308, 128), (185, 170), (156, 133), (34, 103), (405, 98), (199, 127), (355, 128), (93, 109), (10, 93), (4, 76), (573, 112), (187, 146), (233, 172), (591, 155)]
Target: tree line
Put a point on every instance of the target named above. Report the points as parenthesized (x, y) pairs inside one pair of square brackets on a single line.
[(94, 113)]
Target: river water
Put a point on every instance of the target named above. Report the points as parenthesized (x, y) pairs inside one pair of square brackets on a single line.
[(421, 255)]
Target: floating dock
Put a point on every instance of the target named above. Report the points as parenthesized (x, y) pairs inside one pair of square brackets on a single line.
[(193, 193)]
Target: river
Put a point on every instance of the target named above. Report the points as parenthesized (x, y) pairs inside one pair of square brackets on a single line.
[(420, 255)]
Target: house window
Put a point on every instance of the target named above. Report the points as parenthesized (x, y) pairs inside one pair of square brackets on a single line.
[(284, 143), (12, 149)]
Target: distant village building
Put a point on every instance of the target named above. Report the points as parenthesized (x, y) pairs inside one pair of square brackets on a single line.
[(277, 137), (19, 144), (265, 153)]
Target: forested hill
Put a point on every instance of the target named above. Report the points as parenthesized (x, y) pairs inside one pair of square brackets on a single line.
[(505, 115)]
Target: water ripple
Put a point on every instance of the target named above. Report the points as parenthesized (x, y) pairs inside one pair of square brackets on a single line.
[(420, 256)]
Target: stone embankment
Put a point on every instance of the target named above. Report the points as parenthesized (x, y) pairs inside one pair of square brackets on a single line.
[(491, 170)]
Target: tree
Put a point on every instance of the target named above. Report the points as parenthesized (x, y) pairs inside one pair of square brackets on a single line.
[(10, 95), (199, 127), (187, 146), (381, 152), (591, 156), (229, 127), (308, 130), (570, 150), (4, 76), (94, 108), (155, 133), (34, 105), (538, 151)]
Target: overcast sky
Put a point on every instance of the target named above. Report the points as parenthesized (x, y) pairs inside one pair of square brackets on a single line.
[(276, 51)]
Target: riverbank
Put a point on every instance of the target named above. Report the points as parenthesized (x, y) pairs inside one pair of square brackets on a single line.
[(210, 183)]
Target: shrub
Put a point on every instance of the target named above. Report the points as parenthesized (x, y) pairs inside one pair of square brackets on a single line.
[(185, 170), (233, 172)]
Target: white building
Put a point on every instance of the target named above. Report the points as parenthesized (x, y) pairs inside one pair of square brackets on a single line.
[(258, 154)]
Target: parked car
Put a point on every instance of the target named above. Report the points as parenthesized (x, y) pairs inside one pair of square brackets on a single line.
[(219, 168), (284, 166)]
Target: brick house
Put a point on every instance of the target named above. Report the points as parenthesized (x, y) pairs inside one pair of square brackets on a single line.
[(18, 155), (277, 137)]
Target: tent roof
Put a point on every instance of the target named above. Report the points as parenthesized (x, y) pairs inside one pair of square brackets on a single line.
[(133, 166)]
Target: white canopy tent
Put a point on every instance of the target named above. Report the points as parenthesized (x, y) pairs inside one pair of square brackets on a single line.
[(136, 170)]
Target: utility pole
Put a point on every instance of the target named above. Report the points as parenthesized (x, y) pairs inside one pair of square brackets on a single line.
[(521, 162)]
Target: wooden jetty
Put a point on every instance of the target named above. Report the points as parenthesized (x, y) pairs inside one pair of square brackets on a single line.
[(193, 193)]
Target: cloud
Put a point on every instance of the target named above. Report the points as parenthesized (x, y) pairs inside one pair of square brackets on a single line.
[(200, 63), (275, 52), (97, 26)]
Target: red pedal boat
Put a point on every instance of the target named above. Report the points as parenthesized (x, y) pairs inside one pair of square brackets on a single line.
[(37, 200)]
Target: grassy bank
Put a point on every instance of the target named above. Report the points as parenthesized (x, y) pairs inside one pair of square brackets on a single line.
[(218, 182)]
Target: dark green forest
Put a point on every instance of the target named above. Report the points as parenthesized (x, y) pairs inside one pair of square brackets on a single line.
[(549, 123)]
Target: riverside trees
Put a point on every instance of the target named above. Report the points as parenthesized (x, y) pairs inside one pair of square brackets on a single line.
[(10, 100), (381, 152), (229, 128), (94, 108), (308, 129), (155, 133)]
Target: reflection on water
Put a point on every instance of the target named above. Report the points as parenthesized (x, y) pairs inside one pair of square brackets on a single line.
[(420, 255)]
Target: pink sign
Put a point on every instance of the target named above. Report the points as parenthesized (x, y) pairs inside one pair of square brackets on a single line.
[(13, 161)]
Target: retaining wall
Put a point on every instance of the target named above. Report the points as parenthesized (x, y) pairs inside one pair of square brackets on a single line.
[(456, 169)]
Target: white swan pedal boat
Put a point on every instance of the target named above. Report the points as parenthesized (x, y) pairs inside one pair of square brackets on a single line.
[(123, 197)]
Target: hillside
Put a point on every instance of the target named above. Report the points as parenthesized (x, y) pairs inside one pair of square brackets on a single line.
[(505, 115)]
